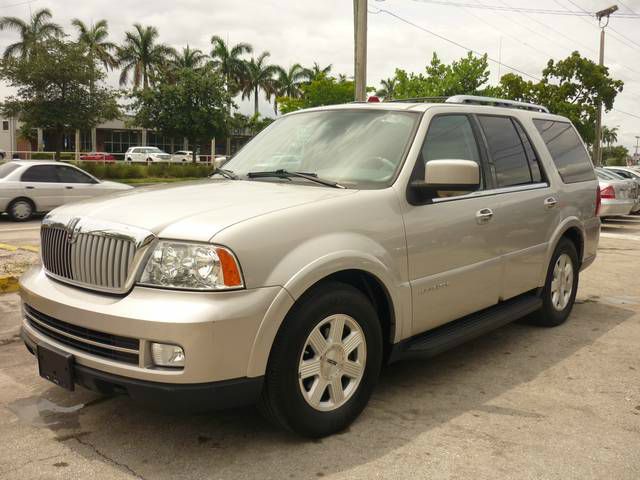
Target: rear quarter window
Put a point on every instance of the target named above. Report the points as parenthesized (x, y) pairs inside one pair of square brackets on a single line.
[(567, 150), (7, 168)]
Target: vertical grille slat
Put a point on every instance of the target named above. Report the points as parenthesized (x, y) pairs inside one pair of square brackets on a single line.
[(95, 260)]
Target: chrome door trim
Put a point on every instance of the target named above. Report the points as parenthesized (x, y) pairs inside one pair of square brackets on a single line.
[(494, 191)]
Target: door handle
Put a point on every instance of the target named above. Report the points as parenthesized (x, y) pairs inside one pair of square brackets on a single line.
[(30, 187), (483, 216), (550, 202), (69, 188)]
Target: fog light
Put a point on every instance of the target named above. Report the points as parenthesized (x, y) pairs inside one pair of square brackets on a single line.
[(167, 355)]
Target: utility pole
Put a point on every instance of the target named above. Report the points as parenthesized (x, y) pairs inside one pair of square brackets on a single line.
[(603, 21), (637, 144), (360, 48)]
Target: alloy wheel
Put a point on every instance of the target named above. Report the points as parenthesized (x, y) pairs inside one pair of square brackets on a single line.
[(562, 282)]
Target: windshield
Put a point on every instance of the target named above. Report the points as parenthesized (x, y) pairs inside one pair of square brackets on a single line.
[(356, 148), (7, 168), (154, 150)]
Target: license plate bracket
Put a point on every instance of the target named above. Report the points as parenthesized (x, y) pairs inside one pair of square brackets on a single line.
[(56, 366)]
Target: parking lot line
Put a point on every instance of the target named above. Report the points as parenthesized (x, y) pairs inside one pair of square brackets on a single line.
[(11, 248)]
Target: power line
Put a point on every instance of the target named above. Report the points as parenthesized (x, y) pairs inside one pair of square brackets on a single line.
[(453, 42), (539, 11), (17, 4), (626, 113)]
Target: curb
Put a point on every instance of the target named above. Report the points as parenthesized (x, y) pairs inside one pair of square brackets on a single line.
[(8, 283)]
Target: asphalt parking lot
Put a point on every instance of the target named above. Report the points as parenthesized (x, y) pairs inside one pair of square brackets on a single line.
[(521, 403)]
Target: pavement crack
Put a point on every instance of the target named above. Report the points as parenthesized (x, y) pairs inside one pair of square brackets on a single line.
[(7, 341), (106, 457)]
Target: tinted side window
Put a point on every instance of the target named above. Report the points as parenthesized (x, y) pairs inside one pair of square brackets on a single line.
[(566, 149), (507, 152), (72, 175), (532, 156), (450, 137), (40, 173)]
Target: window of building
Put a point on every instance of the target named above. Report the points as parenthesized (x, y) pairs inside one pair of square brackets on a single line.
[(567, 150), (161, 141), (508, 157), (5, 125), (119, 141)]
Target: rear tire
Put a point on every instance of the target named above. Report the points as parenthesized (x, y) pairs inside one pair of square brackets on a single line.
[(324, 363), (559, 292), (21, 210)]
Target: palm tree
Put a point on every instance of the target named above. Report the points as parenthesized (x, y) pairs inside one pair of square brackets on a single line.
[(94, 38), (316, 72), (288, 83), (609, 135), (388, 89), (228, 62), (141, 56), (260, 76), (188, 58), (37, 30)]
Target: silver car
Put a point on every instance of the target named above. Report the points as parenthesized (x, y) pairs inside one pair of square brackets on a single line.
[(630, 174), (618, 195), (396, 230), (27, 187)]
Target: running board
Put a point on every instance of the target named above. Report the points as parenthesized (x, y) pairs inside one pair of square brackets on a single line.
[(466, 328)]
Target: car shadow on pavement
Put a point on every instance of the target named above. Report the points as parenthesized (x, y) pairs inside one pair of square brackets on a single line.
[(412, 398)]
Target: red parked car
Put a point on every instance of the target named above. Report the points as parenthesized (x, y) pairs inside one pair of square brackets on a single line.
[(98, 157)]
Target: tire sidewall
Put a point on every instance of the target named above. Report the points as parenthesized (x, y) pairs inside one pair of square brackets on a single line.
[(346, 300), (12, 213), (556, 317)]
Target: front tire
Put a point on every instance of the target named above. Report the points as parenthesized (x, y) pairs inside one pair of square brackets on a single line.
[(20, 210), (324, 363), (559, 292)]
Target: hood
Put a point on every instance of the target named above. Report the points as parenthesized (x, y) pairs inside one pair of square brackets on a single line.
[(197, 210), (115, 185)]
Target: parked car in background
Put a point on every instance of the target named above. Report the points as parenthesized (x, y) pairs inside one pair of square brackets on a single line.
[(146, 154), (629, 174), (617, 194), (401, 230), (30, 186), (3, 154), (97, 157), (181, 156)]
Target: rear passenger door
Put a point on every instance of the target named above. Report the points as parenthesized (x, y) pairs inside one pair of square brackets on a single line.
[(40, 183), (77, 184), (526, 208)]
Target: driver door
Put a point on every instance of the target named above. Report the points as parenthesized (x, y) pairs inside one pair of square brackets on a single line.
[(453, 246)]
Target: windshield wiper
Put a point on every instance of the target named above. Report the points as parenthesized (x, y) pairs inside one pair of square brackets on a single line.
[(225, 173), (313, 177)]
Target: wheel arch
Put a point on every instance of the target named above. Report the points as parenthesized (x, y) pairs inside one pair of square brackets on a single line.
[(573, 230)]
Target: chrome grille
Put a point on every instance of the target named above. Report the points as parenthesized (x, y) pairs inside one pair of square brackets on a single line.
[(97, 256)]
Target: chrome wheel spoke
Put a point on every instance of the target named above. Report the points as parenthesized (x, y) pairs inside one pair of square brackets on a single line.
[(352, 342), (317, 391), (353, 369), (337, 329), (337, 394), (310, 368), (317, 341)]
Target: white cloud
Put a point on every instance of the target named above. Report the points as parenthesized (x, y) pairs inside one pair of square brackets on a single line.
[(322, 30)]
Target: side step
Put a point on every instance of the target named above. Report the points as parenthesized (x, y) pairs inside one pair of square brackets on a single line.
[(466, 328)]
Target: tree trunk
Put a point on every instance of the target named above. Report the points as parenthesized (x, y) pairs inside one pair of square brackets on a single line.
[(255, 101), (275, 107), (194, 146), (59, 133)]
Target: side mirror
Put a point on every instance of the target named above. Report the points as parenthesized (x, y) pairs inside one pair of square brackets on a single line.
[(450, 175)]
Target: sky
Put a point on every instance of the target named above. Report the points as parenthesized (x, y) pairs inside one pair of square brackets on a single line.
[(306, 31)]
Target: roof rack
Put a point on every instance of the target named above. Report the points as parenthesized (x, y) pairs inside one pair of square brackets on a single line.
[(496, 102), (477, 100)]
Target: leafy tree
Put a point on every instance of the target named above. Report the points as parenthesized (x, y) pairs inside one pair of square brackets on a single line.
[(387, 91), (32, 34), (288, 83), (229, 63), (322, 91), (193, 106), (259, 76), (188, 58), (316, 71), (464, 76), (94, 39), (613, 156), (142, 57), (254, 123), (572, 87), (54, 90)]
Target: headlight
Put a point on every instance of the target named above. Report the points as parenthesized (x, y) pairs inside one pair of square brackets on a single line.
[(192, 266)]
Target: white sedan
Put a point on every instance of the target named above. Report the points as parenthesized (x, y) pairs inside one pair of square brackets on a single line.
[(27, 187)]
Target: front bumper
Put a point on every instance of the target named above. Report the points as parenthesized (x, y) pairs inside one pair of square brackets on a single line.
[(216, 330), (199, 397)]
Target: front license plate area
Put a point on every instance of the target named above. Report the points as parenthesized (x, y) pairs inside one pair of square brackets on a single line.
[(56, 366)]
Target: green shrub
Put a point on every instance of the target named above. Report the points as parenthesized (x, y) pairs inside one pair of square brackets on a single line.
[(121, 170), (42, 156)]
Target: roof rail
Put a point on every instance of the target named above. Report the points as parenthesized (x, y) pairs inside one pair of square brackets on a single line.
[(420, 100), (496, 102)]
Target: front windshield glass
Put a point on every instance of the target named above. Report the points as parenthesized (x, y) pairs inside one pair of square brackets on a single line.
[(356, 148)]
